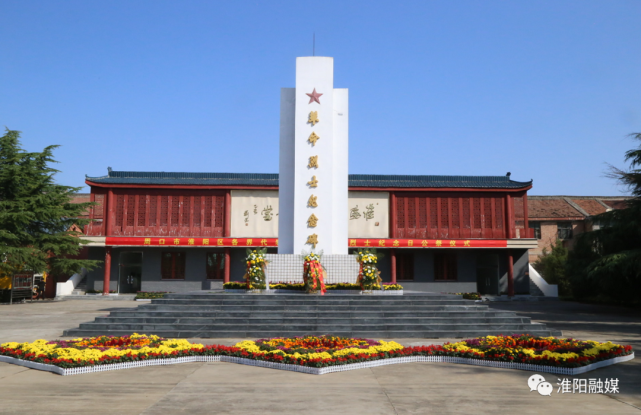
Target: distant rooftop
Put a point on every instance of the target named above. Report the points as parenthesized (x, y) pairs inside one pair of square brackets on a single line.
[(572, 207), (270, 179)]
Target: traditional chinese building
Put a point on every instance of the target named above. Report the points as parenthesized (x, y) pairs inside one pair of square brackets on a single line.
[(181, 232)]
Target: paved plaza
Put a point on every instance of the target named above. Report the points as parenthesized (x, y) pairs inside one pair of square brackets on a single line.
[(225, 388)]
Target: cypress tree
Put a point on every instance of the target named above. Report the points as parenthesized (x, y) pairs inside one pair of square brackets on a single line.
[(36, 213)]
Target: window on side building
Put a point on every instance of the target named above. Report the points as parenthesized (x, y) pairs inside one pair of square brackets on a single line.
[(215, 265), (172, 266), (564, 230), (537, 229), (404, 266), (445, 266)]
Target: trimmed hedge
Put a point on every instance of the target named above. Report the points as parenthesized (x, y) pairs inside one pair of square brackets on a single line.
[(146, 295)]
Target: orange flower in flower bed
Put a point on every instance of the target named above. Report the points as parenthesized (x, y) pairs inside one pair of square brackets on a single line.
[(313, 344), (109, 342)]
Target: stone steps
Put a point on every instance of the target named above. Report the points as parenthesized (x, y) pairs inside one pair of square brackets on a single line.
[(217, 315), (298, 320), (293, 303), (310, 307), (311, 314), (305, 328), (376, 334)]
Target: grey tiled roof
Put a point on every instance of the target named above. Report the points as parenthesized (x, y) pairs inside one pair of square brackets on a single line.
[(262, 179)]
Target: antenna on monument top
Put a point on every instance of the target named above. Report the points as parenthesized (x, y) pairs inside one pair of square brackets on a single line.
[(314, 45)]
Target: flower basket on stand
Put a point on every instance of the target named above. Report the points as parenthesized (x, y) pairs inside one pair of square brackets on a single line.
[(255, 275), (313, 274), (368, 274)]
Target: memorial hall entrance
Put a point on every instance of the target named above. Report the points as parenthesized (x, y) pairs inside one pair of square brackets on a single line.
[(130, 275)]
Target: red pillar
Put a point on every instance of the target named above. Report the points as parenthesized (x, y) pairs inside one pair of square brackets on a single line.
[(393, 262), (510, 274), (510, 219), (392, 234), (227, 233), (526, 223), (227, 229), (109, 217), (107, 276), (227, 265), (392, 222)]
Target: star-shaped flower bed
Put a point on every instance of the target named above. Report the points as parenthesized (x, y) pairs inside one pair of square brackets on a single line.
[(314, 354)]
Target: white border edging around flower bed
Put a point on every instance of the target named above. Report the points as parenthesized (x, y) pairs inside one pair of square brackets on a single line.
[(110, 366), (314, 370)]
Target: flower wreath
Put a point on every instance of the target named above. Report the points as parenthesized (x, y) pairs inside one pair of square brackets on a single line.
[(255, 275), (313, 273), (368, 274)]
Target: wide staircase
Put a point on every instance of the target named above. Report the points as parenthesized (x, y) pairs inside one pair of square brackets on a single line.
[(226, 315)]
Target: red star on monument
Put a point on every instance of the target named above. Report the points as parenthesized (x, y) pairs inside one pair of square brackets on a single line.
[(314, 96)]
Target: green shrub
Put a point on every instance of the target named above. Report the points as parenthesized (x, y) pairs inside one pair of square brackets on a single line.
[(146, 295), (233, 285), (345, 286)]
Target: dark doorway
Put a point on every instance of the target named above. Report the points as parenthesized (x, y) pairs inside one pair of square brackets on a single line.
[(404, 266), (487, 274), (445, 266), (215, 265), (130, 277)]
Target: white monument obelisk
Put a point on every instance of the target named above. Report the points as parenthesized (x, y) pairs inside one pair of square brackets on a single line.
[(313, 161)]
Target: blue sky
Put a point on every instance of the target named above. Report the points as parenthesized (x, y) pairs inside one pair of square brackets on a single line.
[(547, 90)]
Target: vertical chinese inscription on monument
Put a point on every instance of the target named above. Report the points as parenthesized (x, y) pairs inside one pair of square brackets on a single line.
[(313, 118), (312, 201), (312, 240), (313, 138), (312, 221)]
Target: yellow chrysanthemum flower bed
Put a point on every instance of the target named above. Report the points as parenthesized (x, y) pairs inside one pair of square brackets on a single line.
[(314, 351), (566, 352), (324, 347), (98, 350)]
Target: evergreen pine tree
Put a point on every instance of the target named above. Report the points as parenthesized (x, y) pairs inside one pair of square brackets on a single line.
[(36, 214)]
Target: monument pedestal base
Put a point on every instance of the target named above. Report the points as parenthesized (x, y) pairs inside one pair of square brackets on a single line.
[(288, 268)]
